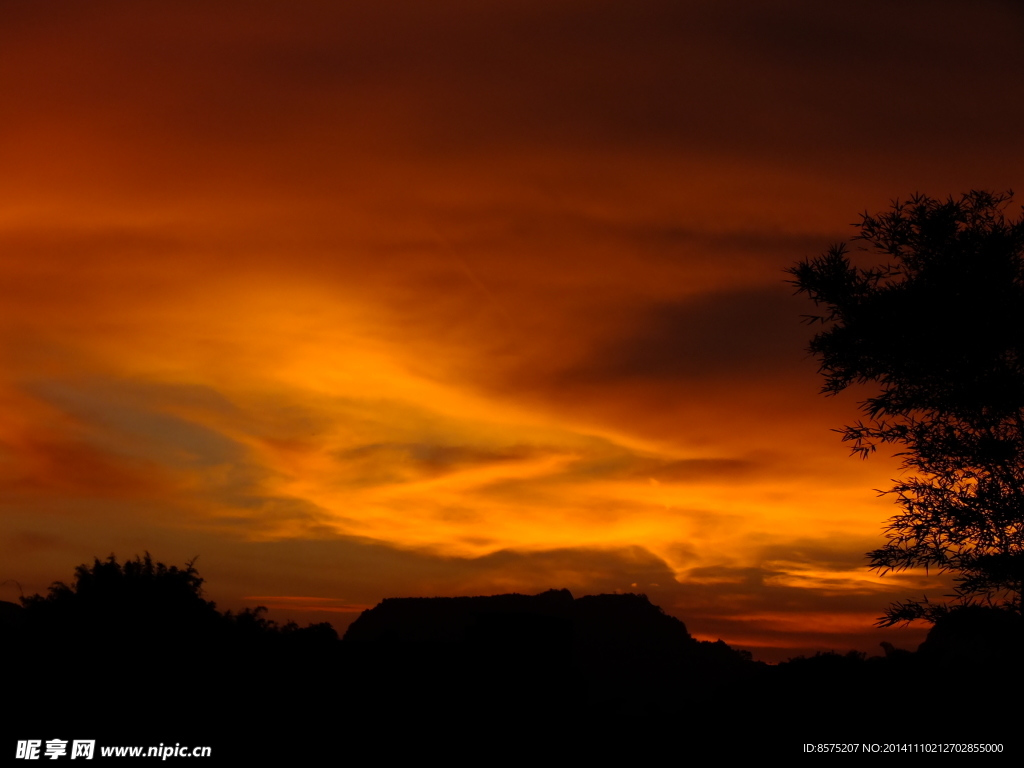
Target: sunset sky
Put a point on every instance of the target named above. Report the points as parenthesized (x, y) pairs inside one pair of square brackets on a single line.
[(366, 300)]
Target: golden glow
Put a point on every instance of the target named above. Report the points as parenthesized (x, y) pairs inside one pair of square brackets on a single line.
[(344, 315)]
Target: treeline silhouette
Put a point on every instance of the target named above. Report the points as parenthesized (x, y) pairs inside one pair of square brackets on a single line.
[(133, 653)]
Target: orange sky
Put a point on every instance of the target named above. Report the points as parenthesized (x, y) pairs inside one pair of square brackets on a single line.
[(393, 299)]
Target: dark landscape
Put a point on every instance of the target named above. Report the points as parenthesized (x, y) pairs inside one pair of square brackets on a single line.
[(131, 653)]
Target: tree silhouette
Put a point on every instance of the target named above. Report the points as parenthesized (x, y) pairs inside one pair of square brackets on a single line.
[(130, 599), (938, 327), (140, 653), (111, 604)]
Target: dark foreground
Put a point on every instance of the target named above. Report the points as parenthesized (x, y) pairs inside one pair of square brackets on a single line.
[(545, 677)]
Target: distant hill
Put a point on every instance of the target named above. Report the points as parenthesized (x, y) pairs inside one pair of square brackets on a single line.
[(546, 653), (553, 618)]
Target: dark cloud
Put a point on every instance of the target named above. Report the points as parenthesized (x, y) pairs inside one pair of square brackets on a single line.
[(752, 334), (267, 515), (382, 463), (829, 553), (781, 617), (767, 246), (456, 77), (57, 465), (595, 571), (136, 422), (610, 462)]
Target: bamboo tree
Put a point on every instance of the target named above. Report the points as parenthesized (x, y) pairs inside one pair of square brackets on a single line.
[(937, 328)]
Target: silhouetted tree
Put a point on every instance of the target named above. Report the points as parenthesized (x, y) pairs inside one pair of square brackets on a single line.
[(938, 326), (141, 651), (112, 604), (130, 599)]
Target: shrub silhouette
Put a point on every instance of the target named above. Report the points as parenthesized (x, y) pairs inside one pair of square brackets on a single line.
[(143, 598), (110, 605), (141, 648), (975, 640)]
